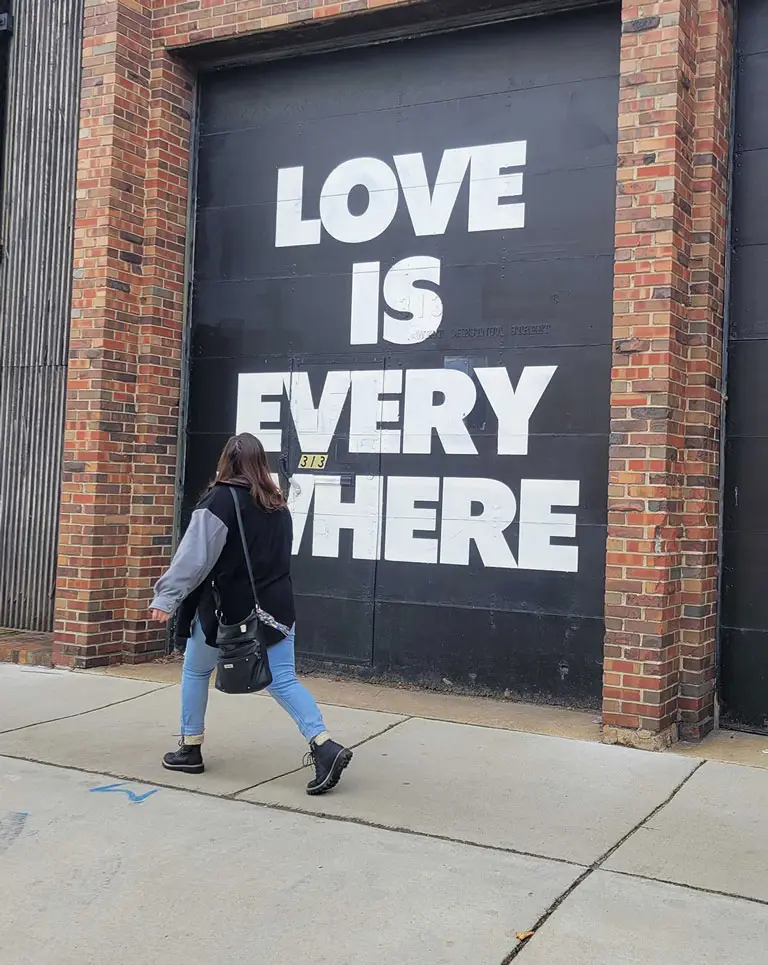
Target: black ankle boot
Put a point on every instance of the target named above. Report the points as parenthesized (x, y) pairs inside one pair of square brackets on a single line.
[(188, 758), (329, 759)]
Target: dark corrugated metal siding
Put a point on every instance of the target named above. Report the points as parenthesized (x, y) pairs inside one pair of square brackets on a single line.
[(40, 149), (744, 604)]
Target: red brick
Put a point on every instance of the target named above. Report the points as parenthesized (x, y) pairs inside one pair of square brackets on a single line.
[(656, 276), (669, 286)]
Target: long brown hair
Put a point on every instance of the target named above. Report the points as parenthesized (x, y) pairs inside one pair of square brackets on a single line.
[(243, 462)]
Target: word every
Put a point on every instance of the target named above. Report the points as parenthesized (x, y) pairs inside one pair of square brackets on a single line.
[(426, 519), (491, 185), (392, 411)]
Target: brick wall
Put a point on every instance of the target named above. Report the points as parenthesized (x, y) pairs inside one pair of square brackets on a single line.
[(704, 399), (120, 447), (100, 444), (125, 359), (666, 393)]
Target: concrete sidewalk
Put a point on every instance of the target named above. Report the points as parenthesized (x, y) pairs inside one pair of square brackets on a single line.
[(445, 843)]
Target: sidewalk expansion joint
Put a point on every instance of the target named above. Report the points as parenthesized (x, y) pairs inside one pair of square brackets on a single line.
[(688, 887), (411, 832), (234, 795), (84, 713), (596, 865), (288, 809)]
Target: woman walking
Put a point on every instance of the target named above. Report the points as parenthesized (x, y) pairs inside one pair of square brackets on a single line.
[(209, 573)]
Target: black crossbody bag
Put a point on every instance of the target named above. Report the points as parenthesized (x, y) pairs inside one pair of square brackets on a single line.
[(243, 663)]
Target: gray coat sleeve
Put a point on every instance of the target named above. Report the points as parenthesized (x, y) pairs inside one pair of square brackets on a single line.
[(194, 559)]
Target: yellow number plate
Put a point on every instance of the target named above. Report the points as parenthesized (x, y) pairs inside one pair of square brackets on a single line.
[(308, 461)]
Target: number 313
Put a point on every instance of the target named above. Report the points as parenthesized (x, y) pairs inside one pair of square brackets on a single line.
[(312, 461)]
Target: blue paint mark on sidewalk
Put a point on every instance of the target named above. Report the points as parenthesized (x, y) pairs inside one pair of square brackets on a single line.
[(11, 827), (122, 789)]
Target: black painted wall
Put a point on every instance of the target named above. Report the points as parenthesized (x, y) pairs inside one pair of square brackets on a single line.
[(537, 295), (744, 607)]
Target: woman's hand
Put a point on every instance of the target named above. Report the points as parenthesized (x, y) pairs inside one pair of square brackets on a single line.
[(160, 616)]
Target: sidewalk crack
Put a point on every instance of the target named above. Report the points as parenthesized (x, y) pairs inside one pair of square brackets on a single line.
[(234, 795), (288, 809), (596, 865), (84, 713), (689, 887)]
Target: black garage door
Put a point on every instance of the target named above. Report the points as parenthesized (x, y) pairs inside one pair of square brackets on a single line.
[(403, 285), (744, 611)]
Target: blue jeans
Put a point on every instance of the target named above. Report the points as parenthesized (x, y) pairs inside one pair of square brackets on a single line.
[(200, 662)]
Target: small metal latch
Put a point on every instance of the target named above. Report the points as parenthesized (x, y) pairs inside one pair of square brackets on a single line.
[(347, 479)]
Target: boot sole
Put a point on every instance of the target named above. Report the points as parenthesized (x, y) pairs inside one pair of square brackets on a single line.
[(185, 768), (334, 775)]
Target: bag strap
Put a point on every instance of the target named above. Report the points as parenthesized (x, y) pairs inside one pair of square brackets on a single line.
[(246, 554), (265, 617)]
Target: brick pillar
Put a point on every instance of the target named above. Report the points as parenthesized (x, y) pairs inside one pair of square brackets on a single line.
[(160, 343), (101, 419), (704, 396), (665, 397)]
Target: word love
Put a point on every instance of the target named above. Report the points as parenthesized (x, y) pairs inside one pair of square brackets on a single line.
[(392, 411), (426, 519), (491, 186)]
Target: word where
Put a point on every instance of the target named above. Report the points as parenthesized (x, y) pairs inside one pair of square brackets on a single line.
[(427, 519)]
